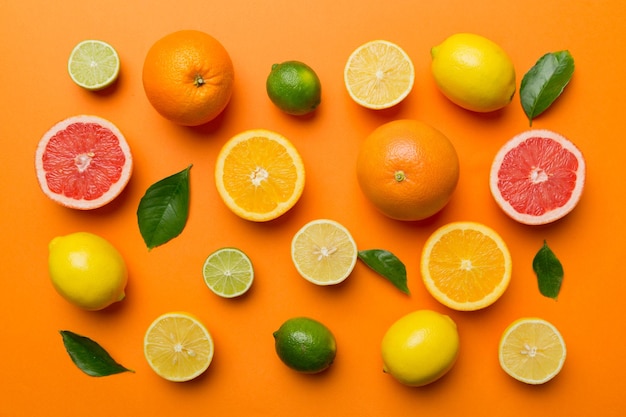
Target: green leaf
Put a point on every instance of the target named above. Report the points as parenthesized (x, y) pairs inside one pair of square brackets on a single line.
[(163, 210), (545, 82), (387, 265), (89, 356), (549, 272)]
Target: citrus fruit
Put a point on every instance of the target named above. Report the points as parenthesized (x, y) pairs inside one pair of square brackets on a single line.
[(324, 252), (294, 87), (228, 272), (466, 266), (420, 347), (305, 345), (87, 270), (83, 162), (407, 169), (188, 77), (178, 347), (532, 350), (93, 64), (259, 174), (379, 74), (473, 72), (537, 177)]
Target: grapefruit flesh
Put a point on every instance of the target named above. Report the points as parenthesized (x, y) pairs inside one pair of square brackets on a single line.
[(83, 162), (537, 177)]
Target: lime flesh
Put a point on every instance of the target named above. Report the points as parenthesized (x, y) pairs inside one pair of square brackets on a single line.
[(93, 64)]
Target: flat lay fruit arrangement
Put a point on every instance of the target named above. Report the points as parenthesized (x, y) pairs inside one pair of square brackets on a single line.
[(405, 168), (408, 216)]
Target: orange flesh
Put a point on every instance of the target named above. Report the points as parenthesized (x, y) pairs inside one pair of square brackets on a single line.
[(467, 265), (259, 174)]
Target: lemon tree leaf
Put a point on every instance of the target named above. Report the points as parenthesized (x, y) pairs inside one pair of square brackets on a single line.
[(164, 208), (387, 265), (89, 356), (545, 82), (549, 272)]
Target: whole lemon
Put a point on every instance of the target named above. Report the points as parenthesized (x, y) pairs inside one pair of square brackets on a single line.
[(473, 72), (420, 347), (87, 270)]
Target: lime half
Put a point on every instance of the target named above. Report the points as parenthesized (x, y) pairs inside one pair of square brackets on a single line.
[(228, 272), (93, 64)]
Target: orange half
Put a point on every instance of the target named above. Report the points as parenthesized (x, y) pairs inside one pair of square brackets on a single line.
[(259, 174), (466, 266)]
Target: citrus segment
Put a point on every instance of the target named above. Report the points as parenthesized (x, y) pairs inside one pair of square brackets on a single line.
[(178, 347), (83, 162), (228, 272), (407, 169), (324, 252), (379, 74), (466, 265), (93, 64), (532, 351), (259, 174), (537, 177), (188, 77)]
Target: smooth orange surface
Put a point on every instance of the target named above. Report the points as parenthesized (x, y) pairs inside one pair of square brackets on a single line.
[(246, 378)]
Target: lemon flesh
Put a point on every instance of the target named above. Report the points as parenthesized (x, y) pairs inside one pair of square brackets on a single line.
[(379, 74), (473, 72), (324, 252), (178, 347), (87, 270), (420, 347), (532, 350)]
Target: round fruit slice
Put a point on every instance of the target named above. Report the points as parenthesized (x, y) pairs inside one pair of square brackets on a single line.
[(228, 272), (324, 252), (537, 177), (93, 64), (532, 351), (379, 74), (466, 266), (259, 174), (178, 347), (83, 162)]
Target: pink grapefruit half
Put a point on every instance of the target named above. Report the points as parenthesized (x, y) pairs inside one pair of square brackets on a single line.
[(537, 177), (83, 162)]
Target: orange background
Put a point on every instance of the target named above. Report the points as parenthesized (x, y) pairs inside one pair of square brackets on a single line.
[(246, 377)]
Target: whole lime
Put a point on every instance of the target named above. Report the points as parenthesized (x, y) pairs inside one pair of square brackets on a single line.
[(305, 345), (294, 87), (420, 347), (87, 270), (473, 72)]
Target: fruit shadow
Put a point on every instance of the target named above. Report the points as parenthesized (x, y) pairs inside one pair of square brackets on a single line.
[(212, 127), (109, 90)]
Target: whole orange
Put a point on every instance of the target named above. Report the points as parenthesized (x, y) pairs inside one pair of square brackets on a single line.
[(188, 77), (407, 169)]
